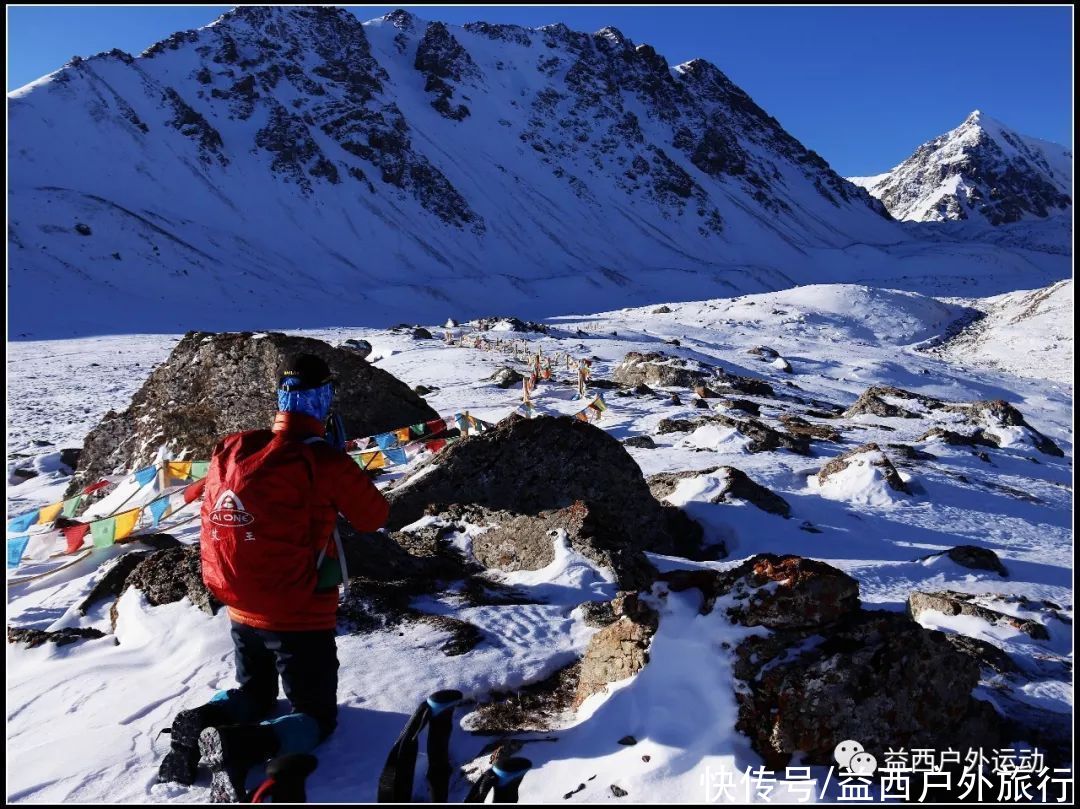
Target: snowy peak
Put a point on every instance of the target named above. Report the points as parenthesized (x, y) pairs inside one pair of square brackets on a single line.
[(983, 171)]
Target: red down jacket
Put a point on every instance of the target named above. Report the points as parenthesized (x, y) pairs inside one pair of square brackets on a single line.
[(268, 511)]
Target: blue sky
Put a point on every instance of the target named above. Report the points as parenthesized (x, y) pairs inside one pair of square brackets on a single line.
[(861, 86)]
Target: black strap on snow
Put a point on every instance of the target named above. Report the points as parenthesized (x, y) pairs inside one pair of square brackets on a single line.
[(504, 778), (396, 779)]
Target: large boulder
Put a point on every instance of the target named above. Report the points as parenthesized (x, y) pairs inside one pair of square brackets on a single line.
[(167, 576), (661, 370), (734, 484), (539, 465), (875, 676), (620, 649), (868, 455), (828, 671), (950, 603), (884, 400), (214, 384)]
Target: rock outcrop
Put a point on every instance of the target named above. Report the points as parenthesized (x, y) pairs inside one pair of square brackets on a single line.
[(214, 384), (620, 649), (869, 454), (535, 467)]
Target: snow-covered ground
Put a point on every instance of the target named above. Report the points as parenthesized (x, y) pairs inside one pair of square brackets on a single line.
[(83, 719)]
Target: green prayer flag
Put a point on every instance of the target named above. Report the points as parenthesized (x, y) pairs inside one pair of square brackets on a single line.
[(103, 532), (199, 469), (71, 506)]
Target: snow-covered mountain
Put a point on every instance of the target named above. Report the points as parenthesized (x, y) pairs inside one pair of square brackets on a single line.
[(981, 171), (291, 166)]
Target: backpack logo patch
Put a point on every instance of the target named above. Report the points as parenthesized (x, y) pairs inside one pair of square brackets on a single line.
[(229, 512)]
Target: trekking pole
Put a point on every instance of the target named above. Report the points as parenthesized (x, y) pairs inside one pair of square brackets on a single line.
[(396, 778), (504, 778)]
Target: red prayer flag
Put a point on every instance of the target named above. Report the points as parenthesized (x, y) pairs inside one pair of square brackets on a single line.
[(93, 487), (194, 491), (75, 534)]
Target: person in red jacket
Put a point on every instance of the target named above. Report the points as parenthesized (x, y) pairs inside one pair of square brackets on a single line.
[(269, 554)]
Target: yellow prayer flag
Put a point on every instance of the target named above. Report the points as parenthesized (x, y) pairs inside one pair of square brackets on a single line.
[(126, 522), (178, 469), (402, 434), (374, 460), (49, 513)]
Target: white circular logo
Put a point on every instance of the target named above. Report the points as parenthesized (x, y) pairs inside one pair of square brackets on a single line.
[(863, 764)]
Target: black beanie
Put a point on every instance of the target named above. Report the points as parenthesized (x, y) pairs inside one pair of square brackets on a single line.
[(311, 371)]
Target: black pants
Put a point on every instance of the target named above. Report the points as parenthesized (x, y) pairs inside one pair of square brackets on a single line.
[(306, 661)]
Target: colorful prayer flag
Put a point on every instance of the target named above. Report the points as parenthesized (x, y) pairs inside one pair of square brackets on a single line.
[(75, 534), (103, 532), (71, 505), (385, 440), (396, 456), (126, 522), (194, 490), (93, 487), (15, 548), (144, 476), (200, 469), (158, 509), (49, 513), (178, 470), (402, 435), (22, 522)]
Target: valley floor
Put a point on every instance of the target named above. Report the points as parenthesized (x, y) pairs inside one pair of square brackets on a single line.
[(83, 720)]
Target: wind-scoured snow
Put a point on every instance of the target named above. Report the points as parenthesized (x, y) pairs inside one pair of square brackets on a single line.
[(83, 719)]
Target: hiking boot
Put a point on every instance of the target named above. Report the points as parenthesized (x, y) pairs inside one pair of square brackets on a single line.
[(230, 751), (180, 764)]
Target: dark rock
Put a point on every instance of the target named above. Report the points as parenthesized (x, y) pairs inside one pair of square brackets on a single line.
[(909, 453), (956, 439), (764, 353), (974, 557), (597, 613), (667, 426), (165, 577), (986, 654), (675, 401), (882, 462), (796, 425), (701, 404), (742, 384), (662, 310), (69, 457), (628, 740), (764, 438), (511, 323), (640, 442), (619, 650), (111, 579), (33, 638), (24, 473), (83, 230), (214, 384), (874, 676), (948, 602), (573, 467), (420, 333), (872, 402), (745, 405), (423, 390), (618, 791), (705, 392), (506, 377), (361, 347), (643, 390), (999, 413), (739, 486), (789, 592), (660, 370)]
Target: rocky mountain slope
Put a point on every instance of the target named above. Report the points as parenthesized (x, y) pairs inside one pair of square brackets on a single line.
[(288, 166), (981, 171)]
